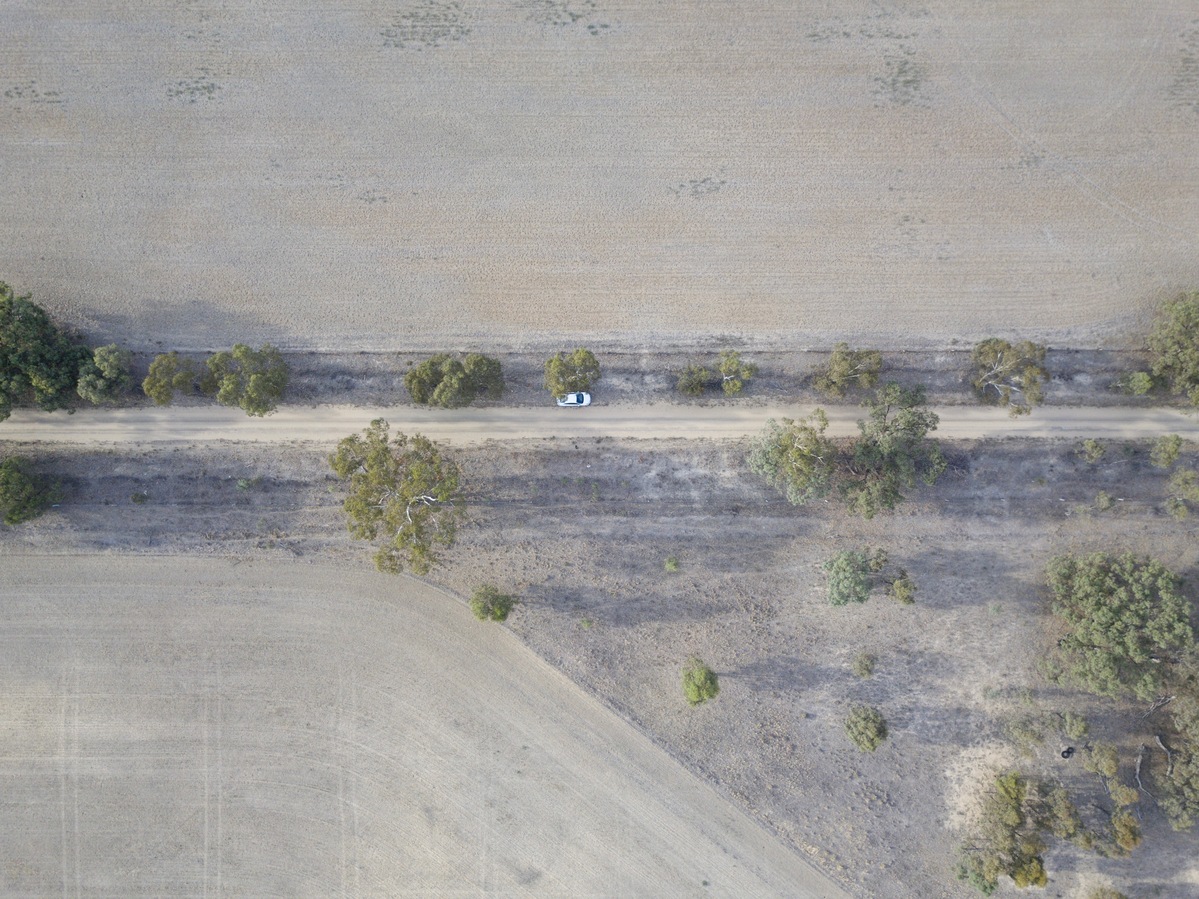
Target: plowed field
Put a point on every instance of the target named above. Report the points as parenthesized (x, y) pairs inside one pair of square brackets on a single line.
[(429, 173)]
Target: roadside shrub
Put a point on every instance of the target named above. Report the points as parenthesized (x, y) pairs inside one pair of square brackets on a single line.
[(866, 728), (489, 604), (39, 361), (671, 565), (1166, 450), (733, 372), (848, 368), (1104, 501), (1135, 383), (449, 383), (1091, 451), (699, 682), (1174, 346), (1184, 491), (571, 372), (1009, 375), (693, 379), (1105, 893), (169, 374), (23, 494), (253, 380), (848, 579), (105, 376), (795, 457)]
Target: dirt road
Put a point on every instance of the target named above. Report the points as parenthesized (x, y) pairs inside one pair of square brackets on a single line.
[(326, 424), (178, 726)]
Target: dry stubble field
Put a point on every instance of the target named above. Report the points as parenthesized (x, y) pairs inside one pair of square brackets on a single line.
[(424, 173), (581, 530), (187, 727)]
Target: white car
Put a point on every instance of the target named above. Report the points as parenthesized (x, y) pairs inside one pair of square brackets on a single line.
[(575, 399)]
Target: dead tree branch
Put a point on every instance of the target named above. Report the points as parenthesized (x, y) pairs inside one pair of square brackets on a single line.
[(1169, 756)]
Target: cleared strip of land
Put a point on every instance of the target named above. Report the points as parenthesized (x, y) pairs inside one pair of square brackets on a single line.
[(205, 424), (188, 727)]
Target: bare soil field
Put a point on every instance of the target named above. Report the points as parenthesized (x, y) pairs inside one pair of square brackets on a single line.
[(581, 530), (183, 727), (421, 174)]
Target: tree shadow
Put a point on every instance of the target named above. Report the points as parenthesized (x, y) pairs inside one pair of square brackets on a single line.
[(792, 673), (580, 601), (947, 578), (189, 326)]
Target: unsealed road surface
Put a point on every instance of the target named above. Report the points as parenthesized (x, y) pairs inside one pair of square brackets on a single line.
[(327, 424)]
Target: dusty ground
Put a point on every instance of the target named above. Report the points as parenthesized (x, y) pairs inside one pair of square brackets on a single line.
[(181, 727), (422, 173), (582, 532)]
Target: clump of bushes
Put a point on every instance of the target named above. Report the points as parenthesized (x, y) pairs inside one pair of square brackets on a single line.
[(848, 368), (700, 682), (866, 727), (732, 372), (48, 365), (449, 383), (253, 380), (489, 604), (24, 495), (852, 574)]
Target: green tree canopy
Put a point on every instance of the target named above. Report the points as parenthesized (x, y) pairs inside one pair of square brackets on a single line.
[(105, 376), (1007, 375), (449, 383), (1007, 841), (866, 728), (700, 682), (1174, 346), (1127, 620), (571, 372), (1184, 490), (169, 374), (245, 377), (796, 457), (489, 604), (1166, 450), (849, 368), (38, 360), (733, 372), (23, 494), (848, 577), (893, 452), (403, 491), (693, 379)]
